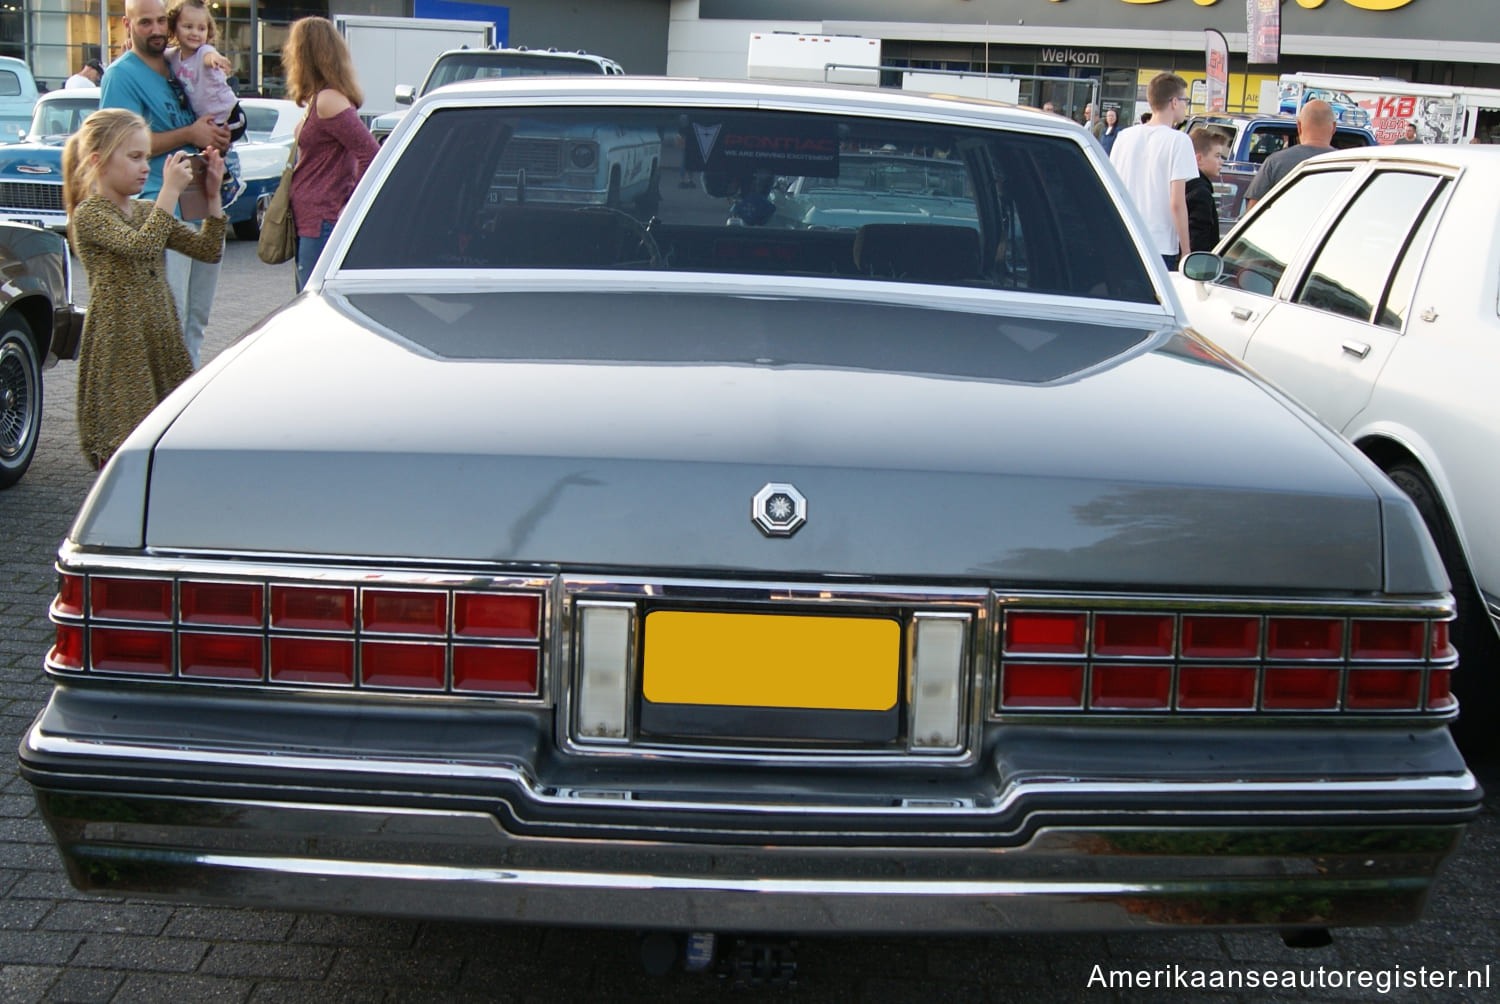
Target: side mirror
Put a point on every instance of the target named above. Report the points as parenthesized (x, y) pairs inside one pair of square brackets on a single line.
[(405, 94), (1202, 266)]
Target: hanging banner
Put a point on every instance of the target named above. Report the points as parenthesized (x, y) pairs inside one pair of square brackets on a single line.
[(1263, 25), (1216, 58)]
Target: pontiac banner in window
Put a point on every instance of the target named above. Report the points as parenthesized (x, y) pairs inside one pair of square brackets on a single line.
[(1216, 58), (1263, 25), (779, 144)]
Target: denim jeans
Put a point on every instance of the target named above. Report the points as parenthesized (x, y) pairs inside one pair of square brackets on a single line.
[(192, 284), (308, 249)]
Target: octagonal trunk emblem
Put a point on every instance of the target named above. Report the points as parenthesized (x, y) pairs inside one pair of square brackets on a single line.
[(778, 510)]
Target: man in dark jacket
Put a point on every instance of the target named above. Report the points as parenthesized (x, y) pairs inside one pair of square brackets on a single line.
[(1203, 212)]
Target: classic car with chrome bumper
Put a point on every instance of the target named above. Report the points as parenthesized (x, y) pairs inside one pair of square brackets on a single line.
[(890, 577)]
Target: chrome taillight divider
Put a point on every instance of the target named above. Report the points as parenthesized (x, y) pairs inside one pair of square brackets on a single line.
[(391, 631)]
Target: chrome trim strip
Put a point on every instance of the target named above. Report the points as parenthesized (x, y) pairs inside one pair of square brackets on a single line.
[(1124, 313), (1006, 798)]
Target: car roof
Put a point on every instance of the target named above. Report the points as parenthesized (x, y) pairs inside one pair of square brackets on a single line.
[(708, 92), (63, 93), (522, 50), (1454, 155)]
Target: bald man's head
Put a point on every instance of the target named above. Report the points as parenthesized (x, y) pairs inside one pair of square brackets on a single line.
[(1316, 123), (146, 21)]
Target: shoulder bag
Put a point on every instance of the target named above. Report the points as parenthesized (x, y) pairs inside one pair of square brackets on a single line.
[(278, 231)]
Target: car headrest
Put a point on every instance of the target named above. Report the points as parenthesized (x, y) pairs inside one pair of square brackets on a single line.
[(917, 251)]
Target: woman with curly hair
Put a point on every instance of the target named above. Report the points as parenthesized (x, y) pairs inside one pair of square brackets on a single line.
[(333, 145)]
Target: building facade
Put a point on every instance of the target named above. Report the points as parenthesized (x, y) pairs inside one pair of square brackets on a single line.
[(1067, 51)]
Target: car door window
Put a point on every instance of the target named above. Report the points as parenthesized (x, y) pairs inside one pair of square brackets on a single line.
[(1397, 305), (1356, 261), (1259, 256)]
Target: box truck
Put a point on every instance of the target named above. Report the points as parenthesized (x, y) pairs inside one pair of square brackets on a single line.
[(388, 51)]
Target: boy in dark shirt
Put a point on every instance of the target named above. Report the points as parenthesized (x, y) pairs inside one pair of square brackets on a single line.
[(1203, 213)]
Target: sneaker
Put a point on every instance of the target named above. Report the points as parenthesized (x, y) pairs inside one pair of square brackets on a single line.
[(231, 188)]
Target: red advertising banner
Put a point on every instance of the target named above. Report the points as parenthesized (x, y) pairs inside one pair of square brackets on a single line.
[(1263, 25), (1216, 58)]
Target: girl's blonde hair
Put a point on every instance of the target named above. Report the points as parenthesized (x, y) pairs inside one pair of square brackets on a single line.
[(103, 132), (315, 57), (175, 11)]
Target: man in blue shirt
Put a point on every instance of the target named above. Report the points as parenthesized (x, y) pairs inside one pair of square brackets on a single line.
[(141, 82)]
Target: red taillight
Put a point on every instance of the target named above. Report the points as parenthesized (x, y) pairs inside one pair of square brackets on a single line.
[(1439, 694), (496, 615), (1301, 688), (1030, 632), (222, 604), (1024, 685), (124, 650), (67, 651), (402, 664), (392, 611), (70, 595), (1406, 640), (495, 670), (131, 599), (312, 608), (312, 660), (220, 656), (1216, 688), (1130, 687), (1304, 638), (1384, 690), (1133, 634), (1220, 637), (1442, 648)]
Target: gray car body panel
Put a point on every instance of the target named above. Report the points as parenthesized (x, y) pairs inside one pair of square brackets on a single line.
[(644, 448)]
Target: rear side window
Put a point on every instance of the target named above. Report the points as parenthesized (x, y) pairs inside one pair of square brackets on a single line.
[(1259, 256), (10, 84), (1356, 263), (750, 191)]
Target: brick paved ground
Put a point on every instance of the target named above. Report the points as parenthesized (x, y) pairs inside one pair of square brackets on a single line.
[(57, 945)]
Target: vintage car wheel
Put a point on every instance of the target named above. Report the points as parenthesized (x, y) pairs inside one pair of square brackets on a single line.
[(249, 230), (20, 399), (1478, 678)]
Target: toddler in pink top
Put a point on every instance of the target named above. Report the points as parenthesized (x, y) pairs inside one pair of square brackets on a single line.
[(199, 70)]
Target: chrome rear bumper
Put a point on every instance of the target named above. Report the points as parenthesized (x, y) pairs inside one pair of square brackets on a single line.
[(1150, 873)]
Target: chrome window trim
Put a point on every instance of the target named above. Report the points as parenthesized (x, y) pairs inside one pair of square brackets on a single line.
[(737, 96)]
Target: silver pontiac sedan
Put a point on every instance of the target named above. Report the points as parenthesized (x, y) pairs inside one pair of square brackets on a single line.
[(661, 564)]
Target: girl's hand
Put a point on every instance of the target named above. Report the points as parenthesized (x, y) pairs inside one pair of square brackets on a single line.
[(213, 177), (218, 61), (176, 174)]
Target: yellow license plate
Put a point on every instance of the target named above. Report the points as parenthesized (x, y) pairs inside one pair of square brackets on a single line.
[(771, 660)]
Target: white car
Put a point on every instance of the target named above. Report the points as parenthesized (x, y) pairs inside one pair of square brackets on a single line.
[(1366, 286), (270, 126)]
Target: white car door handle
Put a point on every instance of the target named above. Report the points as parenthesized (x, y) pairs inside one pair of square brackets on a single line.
[(1360, 349), (1241, 313)]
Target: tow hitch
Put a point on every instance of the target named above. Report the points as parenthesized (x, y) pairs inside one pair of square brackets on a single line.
[(744, 961)]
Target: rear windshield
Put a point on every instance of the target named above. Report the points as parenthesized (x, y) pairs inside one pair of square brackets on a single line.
[(741, 191)]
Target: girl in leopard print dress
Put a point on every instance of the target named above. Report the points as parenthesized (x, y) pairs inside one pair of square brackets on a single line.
[(132, 354)]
